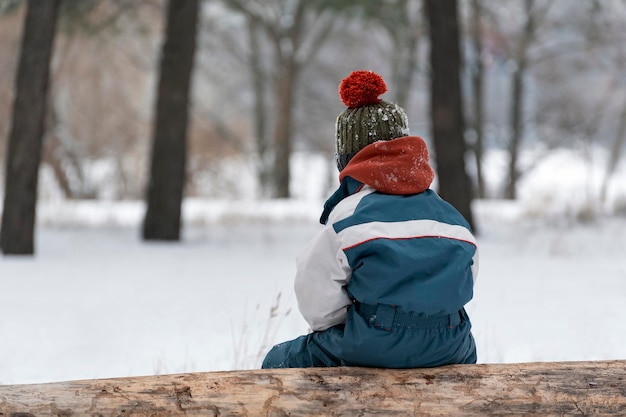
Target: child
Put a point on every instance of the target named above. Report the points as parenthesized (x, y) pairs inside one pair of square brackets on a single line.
[(384, 283)]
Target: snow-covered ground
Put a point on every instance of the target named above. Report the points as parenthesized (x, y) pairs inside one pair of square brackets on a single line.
[(97, 302)]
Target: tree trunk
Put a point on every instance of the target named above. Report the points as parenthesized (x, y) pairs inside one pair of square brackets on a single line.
[(566, 388), (287, 68), (446, 105), (264, 166), (517, 97), (285, 83), (26, 136), (61, 158), (51, 156), (169, 149), (478, 75), (517, 100), (614, 155)]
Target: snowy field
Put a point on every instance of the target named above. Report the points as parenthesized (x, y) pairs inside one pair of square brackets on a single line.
[(96, 302)]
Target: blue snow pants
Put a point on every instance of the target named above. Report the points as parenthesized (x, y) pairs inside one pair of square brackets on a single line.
[(378, 336)]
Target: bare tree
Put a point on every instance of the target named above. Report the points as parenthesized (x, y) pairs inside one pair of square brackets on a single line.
[(592, 56), (406, 33), (517, 95), (402, 22), (258, 77), (25, 138), (169, 152), (557, 48), (296, 30), (478, 97), (96, 116), (615, 153), (446, 105), (93, 112)]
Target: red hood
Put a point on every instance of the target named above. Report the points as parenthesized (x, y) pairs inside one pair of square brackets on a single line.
[(398, 166)]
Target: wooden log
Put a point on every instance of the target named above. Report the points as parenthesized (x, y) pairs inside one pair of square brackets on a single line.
[(563, 388)]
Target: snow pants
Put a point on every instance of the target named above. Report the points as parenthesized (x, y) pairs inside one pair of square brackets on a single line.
[(378, 336)]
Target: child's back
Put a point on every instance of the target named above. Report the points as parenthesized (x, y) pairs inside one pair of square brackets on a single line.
[(385, 282)]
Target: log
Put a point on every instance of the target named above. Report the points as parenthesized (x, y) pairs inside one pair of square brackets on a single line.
[(562, 388)]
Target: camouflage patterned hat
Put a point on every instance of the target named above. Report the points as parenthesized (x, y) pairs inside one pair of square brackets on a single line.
[(367, 119)]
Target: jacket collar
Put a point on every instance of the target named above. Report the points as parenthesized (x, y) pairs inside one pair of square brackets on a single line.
[(347, 187)]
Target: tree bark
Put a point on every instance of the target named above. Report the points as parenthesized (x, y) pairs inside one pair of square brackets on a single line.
[(446, 105), (26, 136), (169, 149), (565, 388)]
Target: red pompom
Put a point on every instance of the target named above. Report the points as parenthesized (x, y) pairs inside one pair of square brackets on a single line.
[(361, 88)]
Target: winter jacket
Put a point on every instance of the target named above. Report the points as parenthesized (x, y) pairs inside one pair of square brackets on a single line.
[(384, 283), (411, 250)]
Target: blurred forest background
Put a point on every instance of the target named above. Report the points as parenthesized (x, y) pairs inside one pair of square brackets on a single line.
[(534, 75)]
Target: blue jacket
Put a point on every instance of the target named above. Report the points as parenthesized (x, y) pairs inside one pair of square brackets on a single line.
[(388, 240), (384, 283)]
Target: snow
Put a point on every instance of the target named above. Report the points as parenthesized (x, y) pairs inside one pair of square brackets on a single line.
[(97, 302)]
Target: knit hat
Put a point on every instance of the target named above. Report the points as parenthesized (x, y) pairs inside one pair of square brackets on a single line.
[(367, 119)]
